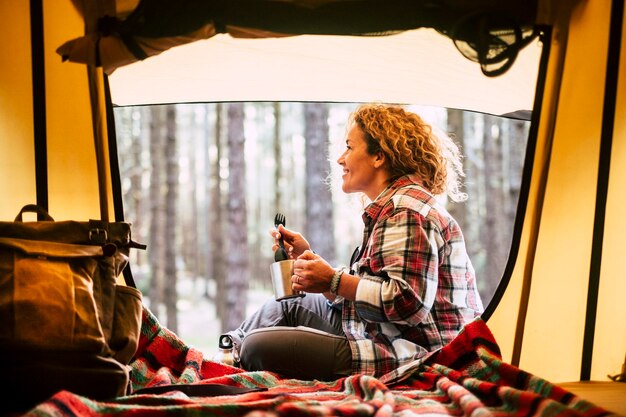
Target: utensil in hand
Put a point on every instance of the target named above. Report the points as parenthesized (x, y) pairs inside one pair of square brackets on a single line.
[(281, 253)]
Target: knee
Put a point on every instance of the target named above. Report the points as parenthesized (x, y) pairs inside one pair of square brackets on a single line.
[(258, 351), (296, 353)]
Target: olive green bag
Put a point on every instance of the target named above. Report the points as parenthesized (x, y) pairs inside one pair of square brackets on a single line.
[(65, 322)]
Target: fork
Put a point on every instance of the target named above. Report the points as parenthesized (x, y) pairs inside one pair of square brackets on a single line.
[(281, 253)]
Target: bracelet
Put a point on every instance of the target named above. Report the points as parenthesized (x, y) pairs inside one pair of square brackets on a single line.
[(334, 282)]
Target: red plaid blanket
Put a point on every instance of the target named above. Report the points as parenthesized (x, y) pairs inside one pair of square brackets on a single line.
[(467, 377)]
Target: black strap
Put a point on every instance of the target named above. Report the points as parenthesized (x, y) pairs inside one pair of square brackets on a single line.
[(116, 183), (355, 257)]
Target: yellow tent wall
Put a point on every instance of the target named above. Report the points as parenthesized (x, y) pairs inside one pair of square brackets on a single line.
[(550, 339), (72, 174), (610, 338), (17, 152)]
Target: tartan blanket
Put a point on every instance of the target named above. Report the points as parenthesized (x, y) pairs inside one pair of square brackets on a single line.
[(466, 377)]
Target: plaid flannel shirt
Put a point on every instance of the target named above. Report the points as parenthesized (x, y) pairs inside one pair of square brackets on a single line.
[(417, 287)]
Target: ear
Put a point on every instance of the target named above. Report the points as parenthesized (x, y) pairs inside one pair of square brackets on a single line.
[(379, 160)]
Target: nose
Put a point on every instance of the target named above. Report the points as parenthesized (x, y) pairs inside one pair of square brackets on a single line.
[(341, 159)]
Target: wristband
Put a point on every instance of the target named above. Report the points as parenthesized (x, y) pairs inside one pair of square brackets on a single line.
[(334, 282)]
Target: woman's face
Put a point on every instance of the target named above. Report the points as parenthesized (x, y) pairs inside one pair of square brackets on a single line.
[(361, 171)]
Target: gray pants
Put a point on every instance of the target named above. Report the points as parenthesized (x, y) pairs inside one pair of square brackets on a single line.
[(297, 338)]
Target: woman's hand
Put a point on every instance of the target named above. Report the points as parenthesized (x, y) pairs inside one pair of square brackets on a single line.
[(295, 243), (311, 273)]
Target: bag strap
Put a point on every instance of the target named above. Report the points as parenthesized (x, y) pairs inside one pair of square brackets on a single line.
[(42, 213)]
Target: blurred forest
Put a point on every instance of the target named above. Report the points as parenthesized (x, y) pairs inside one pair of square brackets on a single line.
[(202, 183)]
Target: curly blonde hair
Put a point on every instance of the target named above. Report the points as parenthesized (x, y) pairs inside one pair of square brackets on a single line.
[(411, 147)]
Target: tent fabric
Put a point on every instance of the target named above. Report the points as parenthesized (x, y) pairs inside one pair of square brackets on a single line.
[(486, 31), (467, 377), (415, 67)]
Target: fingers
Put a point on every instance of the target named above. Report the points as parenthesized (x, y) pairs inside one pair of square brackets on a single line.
[(299, 270), (288, 234), (283, 231), (302, 266), (297, 283), (276, 233), (307, 255), (302, 262)]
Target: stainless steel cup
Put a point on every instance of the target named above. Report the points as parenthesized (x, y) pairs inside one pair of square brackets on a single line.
[(281, 280)]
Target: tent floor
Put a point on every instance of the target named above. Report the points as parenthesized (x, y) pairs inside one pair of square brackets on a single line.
[(606, 394)]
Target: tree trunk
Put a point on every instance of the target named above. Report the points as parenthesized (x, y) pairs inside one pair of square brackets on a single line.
[(169, 236), (210, 213), (141, 213), (155, 246), (278, 196), (517, 132), (457, 134), (497, 240), (218, 234), (319, 213), (190, 203), (237, 241)]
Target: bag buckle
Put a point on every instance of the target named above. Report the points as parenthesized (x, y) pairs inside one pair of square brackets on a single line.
[(99, 235)]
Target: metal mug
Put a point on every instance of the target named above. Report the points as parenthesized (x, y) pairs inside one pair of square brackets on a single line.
[(281, 273)]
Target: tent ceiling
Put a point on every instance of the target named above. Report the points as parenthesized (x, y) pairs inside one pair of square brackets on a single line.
[(418, 66), (408, 51)]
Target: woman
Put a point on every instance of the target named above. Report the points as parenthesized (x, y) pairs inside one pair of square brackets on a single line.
[(412, 286)]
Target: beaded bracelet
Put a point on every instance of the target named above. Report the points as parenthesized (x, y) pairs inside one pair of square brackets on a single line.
[(334, 282)]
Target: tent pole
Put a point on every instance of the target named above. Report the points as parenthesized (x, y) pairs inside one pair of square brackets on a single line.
[(547, 124), (39, 103), (99, 124)]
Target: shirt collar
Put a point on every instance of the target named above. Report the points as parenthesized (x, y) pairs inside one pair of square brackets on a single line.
[(375, 207)]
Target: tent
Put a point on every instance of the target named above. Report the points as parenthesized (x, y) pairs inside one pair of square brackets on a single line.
[(559, 311)]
